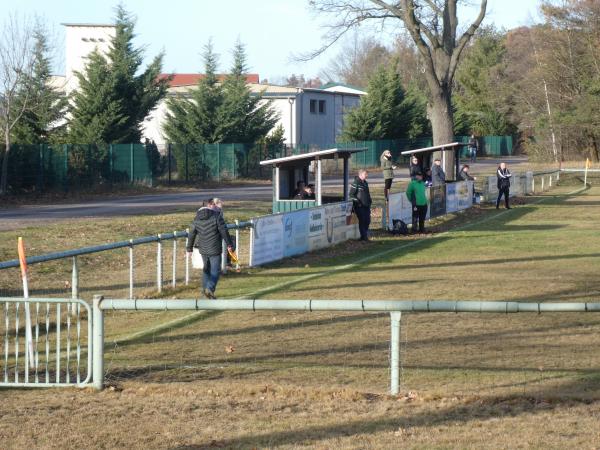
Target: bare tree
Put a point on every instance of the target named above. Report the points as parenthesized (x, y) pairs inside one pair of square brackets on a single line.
[(433, 26), (17, 59)]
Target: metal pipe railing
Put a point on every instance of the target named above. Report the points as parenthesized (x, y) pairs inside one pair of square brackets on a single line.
[(110, 246), (394, 307)]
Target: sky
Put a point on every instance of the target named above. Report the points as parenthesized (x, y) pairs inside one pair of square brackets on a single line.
[(274, 31)]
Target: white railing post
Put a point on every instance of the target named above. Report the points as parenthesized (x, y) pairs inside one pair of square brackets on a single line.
[(98, 344), (395, 353), (74, 285), (174, 282), (187, 258), (237, 243), (130, 268), (159, 265), (223, 257)]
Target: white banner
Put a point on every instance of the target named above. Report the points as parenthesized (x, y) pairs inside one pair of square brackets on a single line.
[(267, 239), (293, 233), (399, 208), (452, 197)]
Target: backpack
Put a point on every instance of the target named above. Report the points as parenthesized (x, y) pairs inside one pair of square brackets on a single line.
[(399, 227)]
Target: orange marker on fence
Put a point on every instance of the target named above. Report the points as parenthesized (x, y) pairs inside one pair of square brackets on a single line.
[(23, 264)]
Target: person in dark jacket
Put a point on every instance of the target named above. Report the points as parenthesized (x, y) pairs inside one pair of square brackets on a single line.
[(388, 171), (503, 175), (414, 167), (361, 199), (473, 146), (464, 174), (207, 232), (438, 176)]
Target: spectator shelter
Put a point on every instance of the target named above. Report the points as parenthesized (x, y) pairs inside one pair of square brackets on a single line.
[(425, 156), (307, 168)]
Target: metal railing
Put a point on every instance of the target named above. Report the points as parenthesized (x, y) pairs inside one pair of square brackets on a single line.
[(394, 307), (55, 351), (130, 244)]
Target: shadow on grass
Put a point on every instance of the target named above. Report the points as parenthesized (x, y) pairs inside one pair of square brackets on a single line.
[(489, 408)]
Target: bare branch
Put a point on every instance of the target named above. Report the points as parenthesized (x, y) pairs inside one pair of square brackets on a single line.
[(462, 42)]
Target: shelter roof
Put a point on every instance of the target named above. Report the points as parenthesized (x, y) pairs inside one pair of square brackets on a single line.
[(310, 156), (435, 148)]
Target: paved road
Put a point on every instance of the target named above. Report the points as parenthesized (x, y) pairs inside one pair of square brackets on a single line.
[(14, 218)]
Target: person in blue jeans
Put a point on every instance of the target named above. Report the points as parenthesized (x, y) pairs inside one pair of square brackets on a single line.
[(207, 232)]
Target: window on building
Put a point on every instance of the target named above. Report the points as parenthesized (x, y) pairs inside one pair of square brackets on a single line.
[(313, 106), (321, 106)]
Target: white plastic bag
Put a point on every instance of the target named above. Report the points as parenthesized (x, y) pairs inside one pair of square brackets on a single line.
[(197, 261)]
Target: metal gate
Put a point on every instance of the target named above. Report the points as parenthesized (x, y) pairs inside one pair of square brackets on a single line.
[(45, 342)]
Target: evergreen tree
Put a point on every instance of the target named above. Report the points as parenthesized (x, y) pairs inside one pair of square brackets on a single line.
[(243, 117), (194, 119), (41, 120), (385, 113), (113, 100), (479, 101)]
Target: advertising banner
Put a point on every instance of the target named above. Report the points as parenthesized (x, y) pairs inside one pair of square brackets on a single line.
[(295, 232), (281, 235), (267, 239), (400, 208), (438, 201), (451, 197), (464, 195)]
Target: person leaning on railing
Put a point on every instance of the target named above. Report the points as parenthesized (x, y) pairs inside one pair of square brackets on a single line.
[(388, 171), (361, 201)]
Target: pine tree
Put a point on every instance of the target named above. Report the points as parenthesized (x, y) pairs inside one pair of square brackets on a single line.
[(244, 117), (113, 101), (41, 120), (194, 119), (385, 113)]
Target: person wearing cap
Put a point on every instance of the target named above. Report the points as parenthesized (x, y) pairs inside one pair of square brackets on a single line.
[(388, 171), (207, 232), (416, 194), (438, 176), (464, 174)]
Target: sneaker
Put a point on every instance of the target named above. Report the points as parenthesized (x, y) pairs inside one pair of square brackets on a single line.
[(209, 294)]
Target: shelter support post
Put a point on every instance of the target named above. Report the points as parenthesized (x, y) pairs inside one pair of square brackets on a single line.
[(346, 177), (319, 182)]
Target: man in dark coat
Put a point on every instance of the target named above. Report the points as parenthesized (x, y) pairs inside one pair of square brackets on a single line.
[(361, 198), (503, 175), (207, 232), (438, 176)]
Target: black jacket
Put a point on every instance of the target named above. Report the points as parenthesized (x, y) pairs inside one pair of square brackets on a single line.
[(464, 176), (359, 193), (438, 177), (207, 231), (413, 170), (503, 178)]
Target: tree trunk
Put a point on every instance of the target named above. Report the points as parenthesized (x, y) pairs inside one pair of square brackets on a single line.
[(4, 173), (439, 111)]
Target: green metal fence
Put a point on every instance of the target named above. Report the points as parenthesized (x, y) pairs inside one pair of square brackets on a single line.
[(66, 167), (44, 167)]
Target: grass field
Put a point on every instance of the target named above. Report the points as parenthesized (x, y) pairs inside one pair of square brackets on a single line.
[(320, 380)]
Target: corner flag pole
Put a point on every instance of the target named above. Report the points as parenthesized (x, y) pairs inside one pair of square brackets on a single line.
[(28, 337), (587, 166)]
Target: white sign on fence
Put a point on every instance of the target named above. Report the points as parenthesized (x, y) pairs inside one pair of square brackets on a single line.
[(267, 239), (293, 233)]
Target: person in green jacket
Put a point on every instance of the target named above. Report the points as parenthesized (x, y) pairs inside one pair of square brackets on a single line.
[(388, 171), (416, 193)]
